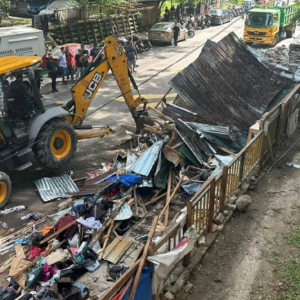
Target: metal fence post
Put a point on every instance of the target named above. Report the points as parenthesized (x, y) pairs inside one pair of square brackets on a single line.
[(211, 204), (278, 127), (223, 187)]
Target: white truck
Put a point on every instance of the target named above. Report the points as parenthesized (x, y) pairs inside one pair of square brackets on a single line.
[(21, 41)]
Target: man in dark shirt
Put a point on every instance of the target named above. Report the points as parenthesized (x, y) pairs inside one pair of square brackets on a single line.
[(20, 94), (52, 68), (176, 31)]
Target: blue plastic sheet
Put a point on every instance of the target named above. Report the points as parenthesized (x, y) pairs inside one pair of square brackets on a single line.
[(144, 289), (127, 180)]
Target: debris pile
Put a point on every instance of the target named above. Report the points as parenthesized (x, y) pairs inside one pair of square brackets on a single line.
[(105, 223), (104, 231), (281, 60)]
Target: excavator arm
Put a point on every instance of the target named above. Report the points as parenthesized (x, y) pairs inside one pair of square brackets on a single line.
[(91, 79)]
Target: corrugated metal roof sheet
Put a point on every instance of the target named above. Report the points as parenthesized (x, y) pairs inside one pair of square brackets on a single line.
[(145, 162), (227, 84), (55, 187), (197, 144)]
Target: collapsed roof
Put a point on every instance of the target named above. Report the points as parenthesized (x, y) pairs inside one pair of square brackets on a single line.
[(227, 85)]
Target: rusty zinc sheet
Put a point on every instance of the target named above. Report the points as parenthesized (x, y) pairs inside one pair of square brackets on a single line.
[(228, 85)]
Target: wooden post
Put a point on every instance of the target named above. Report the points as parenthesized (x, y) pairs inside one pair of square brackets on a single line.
[(223, 187), (211, 204), (167, 198), (143, 258), (189, 222)]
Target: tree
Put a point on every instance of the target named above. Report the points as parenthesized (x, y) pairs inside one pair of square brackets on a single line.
[(5, 10)]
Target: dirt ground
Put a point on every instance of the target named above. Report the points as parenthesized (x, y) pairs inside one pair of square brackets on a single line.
[(257, 254)]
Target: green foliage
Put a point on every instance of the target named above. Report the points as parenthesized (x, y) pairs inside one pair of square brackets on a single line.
[(288, 268), (294, 238), (5, 9)]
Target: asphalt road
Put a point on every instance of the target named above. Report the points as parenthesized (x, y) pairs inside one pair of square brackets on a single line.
[(156, 68)]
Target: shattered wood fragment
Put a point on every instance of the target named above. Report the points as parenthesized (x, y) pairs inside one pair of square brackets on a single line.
[(114, 253), (129, 127), (164, 117), (38, 258), (108, 222), (155, 199), (106, 241), (167, 198), (19, 251), (156, 131), (140, 201), (142, 260)]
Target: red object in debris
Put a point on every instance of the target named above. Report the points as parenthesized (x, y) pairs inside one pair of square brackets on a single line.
[(34, 251)]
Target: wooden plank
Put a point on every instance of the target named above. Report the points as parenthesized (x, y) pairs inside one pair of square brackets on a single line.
[(19, 251), (168, 198), (110, 247), (115, 255), (142, 260)]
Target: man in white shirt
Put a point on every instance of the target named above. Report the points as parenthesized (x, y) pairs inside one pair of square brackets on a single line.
[(62, 64), (11, 78)]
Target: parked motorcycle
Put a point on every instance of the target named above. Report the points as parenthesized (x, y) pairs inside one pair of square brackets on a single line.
[(207, 20), (201, 21), (144, 43)]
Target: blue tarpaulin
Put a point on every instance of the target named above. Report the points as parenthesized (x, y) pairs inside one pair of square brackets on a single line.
[(127, 180), (144, 289)]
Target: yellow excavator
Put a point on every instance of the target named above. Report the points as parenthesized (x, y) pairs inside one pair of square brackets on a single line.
[(49, 132)]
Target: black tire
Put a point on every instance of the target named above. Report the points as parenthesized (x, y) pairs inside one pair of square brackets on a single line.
[(289, 34), (56, 144), (275, 41), (147, 48), (191, 33), (5, 189)]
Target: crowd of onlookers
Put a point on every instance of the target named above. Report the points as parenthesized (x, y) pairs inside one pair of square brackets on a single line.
[(69, 66)]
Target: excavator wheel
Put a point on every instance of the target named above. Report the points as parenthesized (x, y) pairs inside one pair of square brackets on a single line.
[(5, 189), (55, 144)]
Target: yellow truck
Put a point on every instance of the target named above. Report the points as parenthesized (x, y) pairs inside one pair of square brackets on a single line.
[(269, 25)]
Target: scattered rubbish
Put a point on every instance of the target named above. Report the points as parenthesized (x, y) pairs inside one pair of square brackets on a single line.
[(4, 225), (31, 216), (13, 209), (293, 165), (89, 222)]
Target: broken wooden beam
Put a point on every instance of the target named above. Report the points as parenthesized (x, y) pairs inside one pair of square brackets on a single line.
[(142, 260), (164, 117)]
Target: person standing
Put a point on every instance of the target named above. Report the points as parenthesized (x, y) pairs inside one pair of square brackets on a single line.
[(79, 63), (172, 11), (85, 54), (11, 78), (131, 54), (52, 68), (176, 31), (70, 64), (62, 64)]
